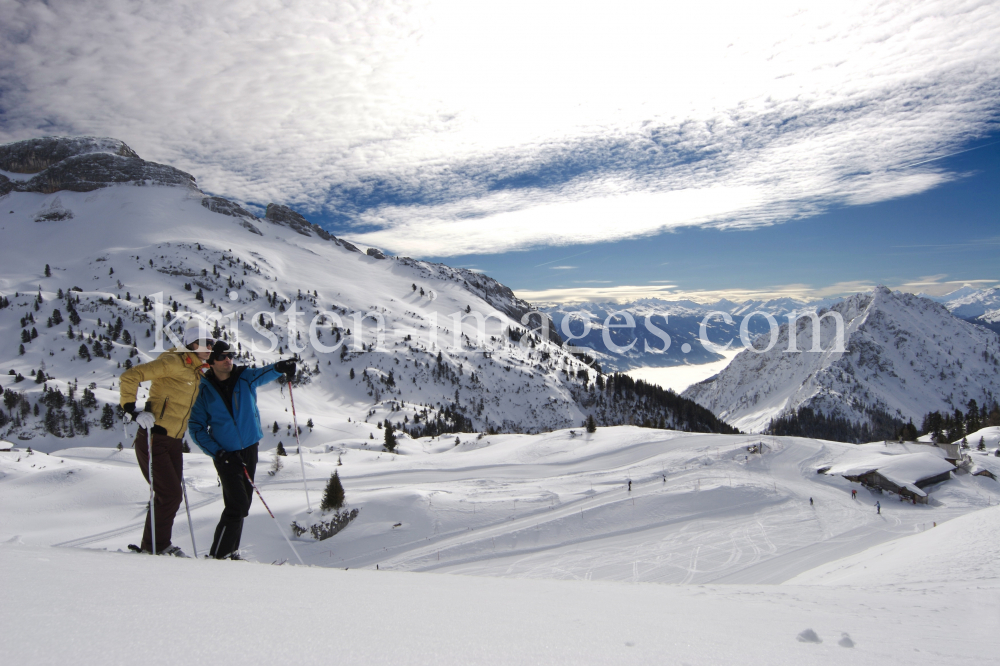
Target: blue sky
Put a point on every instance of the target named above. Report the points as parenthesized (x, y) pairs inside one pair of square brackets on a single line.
[(932, 242), (588, 149)]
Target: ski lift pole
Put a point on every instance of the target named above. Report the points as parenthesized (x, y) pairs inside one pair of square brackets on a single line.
[(295, 424), (284, 536)]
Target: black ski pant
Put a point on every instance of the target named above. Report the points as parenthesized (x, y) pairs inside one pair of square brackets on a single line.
[(168, 468), (237, 493)]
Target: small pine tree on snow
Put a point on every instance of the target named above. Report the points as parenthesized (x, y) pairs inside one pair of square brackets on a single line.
[(333, 496), (48, 271), (281, 447), (107, 416), (390, 437), (457, 441), (309, 424), (200, 296), (276, 464), (371, 436), (352, 373), (274, 430), (591, 424), (982, 444), (120, 446)]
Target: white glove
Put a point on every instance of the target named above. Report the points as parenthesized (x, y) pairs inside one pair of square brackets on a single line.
[(145, 420)]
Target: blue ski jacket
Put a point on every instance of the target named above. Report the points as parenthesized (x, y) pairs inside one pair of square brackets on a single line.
[(215, 427)]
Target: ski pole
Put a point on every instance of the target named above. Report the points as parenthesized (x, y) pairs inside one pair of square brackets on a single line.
[(188, 510), (254, 485), (295, 424)]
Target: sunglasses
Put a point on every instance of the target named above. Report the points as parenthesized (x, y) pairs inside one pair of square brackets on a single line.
[(225, 355)]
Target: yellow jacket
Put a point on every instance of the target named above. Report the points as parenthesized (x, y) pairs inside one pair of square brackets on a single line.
[(176, 375)]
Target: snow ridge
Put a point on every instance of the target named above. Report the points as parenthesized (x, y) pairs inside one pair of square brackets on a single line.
[(904, 355)]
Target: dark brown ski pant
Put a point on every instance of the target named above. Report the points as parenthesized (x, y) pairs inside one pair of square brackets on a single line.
[(168, 467)]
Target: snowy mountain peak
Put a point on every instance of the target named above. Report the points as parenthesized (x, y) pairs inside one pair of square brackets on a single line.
[(903, 355)]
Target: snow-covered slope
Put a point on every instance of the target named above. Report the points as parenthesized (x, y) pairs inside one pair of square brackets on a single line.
[(714, 526), (125, 243), (701, 508), (904, 355)]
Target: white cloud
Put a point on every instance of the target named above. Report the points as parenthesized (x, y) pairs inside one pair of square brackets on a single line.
[(932, 285), (449, 127)]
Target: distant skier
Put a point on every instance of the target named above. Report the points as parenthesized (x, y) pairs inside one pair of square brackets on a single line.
[(854, 494), (630, 485), (175, 375), (878, 508), (810, 501), (225, 424)]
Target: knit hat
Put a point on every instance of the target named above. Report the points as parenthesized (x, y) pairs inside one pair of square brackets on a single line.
[(220, 347), (196, 331)]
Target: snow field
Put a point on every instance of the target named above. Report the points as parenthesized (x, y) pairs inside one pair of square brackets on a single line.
[(930, 597), (534, 506)]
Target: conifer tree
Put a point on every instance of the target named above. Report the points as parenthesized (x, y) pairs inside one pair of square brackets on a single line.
[(281, 447), (333, 496), (390, 437), (591, 424), (107, 416)]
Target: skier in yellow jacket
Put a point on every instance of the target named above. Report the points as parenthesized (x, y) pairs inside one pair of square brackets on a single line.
[(176, 376)]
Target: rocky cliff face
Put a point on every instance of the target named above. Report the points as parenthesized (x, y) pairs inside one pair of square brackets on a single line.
[(81, 164), (36, 155), (903, 354), (287, 217)]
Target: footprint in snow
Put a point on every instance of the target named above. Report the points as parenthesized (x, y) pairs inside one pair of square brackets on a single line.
[(809, 636)]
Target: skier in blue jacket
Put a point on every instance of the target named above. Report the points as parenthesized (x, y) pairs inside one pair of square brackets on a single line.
[(225, 424)]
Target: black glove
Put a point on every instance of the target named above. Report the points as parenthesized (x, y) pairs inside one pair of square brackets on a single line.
[(230, 460), (286, 367)]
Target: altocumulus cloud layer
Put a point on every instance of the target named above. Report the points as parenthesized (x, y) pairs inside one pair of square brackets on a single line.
[(444, 128)]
